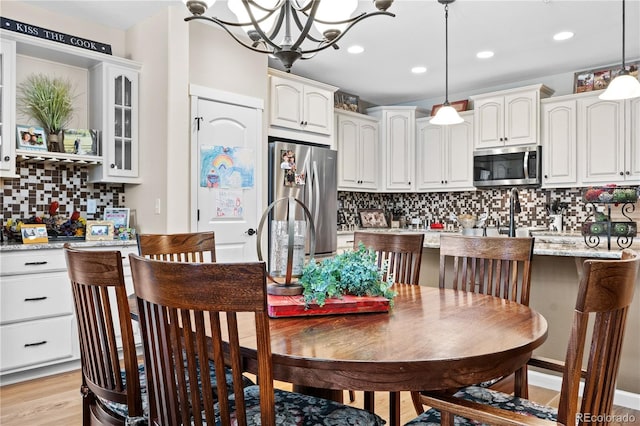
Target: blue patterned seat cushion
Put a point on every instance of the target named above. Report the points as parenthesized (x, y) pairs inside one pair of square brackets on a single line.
[(490, 397), (294, 409), (121, 409)]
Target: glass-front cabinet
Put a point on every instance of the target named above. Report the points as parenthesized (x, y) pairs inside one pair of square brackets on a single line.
[(117, 116), (7, 107)]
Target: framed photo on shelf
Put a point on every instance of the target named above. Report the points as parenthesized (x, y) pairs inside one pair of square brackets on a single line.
[(599, 78), (373, 218), (81, 141), (33, 234), (346, 101), (31, 137), (99, 230), (459, 106), (119, 216)]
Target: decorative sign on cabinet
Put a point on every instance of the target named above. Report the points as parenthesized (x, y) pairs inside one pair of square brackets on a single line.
[(445, 155), (508, 117), (300, 105), (398, 140), (358, 147)]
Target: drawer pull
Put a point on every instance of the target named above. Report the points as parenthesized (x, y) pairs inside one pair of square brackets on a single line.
[(34, 299), (349, 241), (44, 262), (26, 345)]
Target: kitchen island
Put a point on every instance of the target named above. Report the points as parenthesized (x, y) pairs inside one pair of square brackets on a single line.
[(556, 269)]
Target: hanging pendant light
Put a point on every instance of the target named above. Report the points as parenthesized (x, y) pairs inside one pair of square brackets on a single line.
[(624, 86), (446, 114)]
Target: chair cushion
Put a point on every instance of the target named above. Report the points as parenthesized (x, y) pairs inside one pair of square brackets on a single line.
[(294, 409), (490, 397)]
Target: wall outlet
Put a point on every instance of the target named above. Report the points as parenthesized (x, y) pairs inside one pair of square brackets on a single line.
[(121, 199), (157, 205)]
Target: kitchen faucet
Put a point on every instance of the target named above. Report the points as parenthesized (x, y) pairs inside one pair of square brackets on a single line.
[(514, 207)]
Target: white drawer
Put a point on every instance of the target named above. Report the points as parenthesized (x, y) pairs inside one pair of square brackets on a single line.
[(345, 241), (31, 261), (36, 342), (34, 296)]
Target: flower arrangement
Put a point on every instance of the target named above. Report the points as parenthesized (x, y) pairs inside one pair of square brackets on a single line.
[(57, 225), (353, 272)]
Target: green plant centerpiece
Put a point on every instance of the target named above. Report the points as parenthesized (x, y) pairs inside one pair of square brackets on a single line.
[(48, 100), (353, 272)]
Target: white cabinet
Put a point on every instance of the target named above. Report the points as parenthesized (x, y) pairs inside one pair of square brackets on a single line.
[(7, 108), (508, 117), (300, 104), (114, 109), (345, 242), (398, 139), (445, 155), (608, 132), (558, 138), (358, 147)]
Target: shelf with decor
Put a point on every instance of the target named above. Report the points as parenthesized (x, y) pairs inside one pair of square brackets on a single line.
[(599, 225), (25, 155)]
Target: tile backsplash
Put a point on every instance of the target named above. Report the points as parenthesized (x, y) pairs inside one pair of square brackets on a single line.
[(41, 183), (438, 206)]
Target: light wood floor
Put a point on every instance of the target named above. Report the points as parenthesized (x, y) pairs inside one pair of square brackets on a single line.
[(55, 400)]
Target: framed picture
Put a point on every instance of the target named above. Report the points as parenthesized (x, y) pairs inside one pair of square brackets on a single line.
[(457, 105), (599, 78), (31, 137), (99, 230), (345, 101), (373, 218), (36, 233), (119, 216), (81, 141)]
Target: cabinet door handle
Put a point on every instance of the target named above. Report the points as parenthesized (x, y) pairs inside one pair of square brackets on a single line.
[(627, 173), (35, 299), (545, 176), (621, 174), (26, 345), (7, 158), (44, 262), (113, 166)]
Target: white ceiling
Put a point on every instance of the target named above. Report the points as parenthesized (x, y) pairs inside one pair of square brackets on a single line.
[(518, 31)]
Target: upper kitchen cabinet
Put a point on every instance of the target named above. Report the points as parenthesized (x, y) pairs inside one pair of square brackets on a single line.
[(358, 147), (7, 102), (302, 106), (509, 117), (398, 140), (445, 155), (114, 109), (558, 138), (609, 132), (112, 103)]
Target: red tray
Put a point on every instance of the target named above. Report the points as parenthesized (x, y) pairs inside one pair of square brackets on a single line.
[(293, 306)]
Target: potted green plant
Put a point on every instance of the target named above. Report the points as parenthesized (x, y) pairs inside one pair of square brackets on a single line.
[(352, 272), (48, 100)]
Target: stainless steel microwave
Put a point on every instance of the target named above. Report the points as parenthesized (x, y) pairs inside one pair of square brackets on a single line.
[(513, 166)]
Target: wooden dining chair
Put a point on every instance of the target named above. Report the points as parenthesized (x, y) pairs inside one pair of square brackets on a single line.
[(402, 253), (497, 266), (604, 296), (190, 312), (109, 395), (186, 247)]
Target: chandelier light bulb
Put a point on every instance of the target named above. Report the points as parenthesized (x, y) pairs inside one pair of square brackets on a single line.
[(334, 11), (446, 115), (624, 86)]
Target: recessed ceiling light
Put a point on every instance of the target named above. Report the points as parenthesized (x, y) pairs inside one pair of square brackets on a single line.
[(355, 49), (419, 70), (563, 35), (484, 54)]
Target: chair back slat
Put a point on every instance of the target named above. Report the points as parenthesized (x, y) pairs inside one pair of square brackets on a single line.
[(495, 266), (401, 251), (196, 247), (180, 305), (104, 326), (605, 294)]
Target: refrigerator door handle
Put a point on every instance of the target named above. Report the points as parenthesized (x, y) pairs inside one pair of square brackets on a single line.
[(316, 188)]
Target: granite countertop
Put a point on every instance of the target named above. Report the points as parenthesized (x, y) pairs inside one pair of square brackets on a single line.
[(547, 243), (12, 246)]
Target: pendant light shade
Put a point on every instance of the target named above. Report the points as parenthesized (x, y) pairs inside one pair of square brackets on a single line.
[(446, 114), (624, 86)]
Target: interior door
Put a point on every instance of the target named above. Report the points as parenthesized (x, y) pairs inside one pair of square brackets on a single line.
[(226, 175)]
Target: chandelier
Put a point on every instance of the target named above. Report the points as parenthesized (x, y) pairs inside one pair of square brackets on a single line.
[(283, 28)]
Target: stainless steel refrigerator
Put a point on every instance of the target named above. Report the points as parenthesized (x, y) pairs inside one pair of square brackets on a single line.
[(308, 173)]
